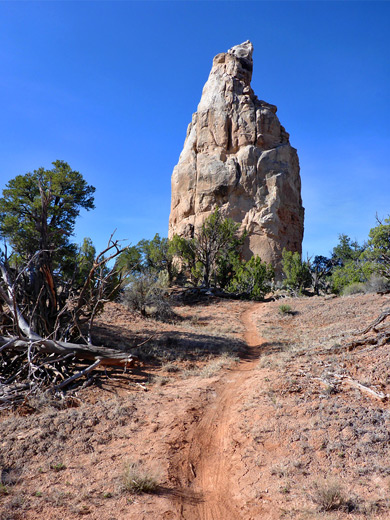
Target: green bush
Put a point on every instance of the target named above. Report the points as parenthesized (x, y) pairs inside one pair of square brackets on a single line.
[(201, 255), (147, 294), (285, 309), (252, 279), (352, 272), (351, 265), (378, 247), (297, 273), (374, 284), (354, 288)]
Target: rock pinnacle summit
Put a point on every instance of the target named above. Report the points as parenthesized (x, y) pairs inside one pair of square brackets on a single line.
[(237, 156)]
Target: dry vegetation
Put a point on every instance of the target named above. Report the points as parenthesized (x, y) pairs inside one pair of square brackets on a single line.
[(302, 439)]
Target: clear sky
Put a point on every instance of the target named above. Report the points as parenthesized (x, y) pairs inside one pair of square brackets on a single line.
[(110, 88)]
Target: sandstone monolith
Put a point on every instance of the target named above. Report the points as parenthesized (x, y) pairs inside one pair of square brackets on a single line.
[(237, 156)]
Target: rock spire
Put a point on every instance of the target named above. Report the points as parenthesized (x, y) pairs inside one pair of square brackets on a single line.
[(237, 156)]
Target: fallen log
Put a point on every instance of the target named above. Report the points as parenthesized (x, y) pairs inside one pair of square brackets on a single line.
[(347, 380), (380, 339), (107, 356), (82, 373), (372, 325), (335, 380), (365, 389)]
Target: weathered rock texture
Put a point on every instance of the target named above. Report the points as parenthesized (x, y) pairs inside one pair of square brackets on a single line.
[(237, 156)]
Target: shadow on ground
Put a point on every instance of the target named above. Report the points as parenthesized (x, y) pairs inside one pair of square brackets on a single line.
[(166, 346)]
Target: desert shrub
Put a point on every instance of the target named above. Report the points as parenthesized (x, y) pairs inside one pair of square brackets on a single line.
[(330, 496), (58, 466), (377, 283), (171, 367), (352, 272), (252, 278), (353, 288), (146, 294), (137, 479), (285, 309)]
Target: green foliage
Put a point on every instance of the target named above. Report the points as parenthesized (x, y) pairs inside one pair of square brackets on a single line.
[(202, 254), (285, 309), (362, 268), (351, 272), (190, 267), (128, 263), (215, 238), (297, 273), (148, 256), (59, 466), (3, 489), (378, 248), (321, 270), (346, 250), (230, 261), (351, 264), (252, 278), (354, 288), (38, 210), (145, 293), (158, 255), (85, 259)]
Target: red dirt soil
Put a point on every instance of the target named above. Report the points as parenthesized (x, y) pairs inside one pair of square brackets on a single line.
[(256, 438)]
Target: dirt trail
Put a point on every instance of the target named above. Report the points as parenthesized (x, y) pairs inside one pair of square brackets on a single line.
[(204, 459)]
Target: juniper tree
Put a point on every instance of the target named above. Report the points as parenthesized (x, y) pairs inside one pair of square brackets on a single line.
[(38, 213)]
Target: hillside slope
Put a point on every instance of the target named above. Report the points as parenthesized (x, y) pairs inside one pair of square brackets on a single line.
[(259, 436)]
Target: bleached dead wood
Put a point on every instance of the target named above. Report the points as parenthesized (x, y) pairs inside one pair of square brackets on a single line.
[(335, 380), (365, 389), (32, 362), (9, 297), (79, 374), (109, 357)]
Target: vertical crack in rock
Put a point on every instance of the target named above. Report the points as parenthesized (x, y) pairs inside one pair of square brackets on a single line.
[(238, 156)]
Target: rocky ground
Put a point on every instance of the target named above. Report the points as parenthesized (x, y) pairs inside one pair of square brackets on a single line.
[(238, 411)]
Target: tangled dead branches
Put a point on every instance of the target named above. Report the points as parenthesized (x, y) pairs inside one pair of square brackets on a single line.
[(31, 362), (29, 367)]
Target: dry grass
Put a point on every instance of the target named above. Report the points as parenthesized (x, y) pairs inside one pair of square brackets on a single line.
[(138, 479), (330, 495), (212, 368)]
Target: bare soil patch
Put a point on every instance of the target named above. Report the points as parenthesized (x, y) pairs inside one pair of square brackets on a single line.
[(227, 431)]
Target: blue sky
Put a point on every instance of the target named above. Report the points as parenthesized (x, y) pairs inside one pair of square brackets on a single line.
[(110, 88)]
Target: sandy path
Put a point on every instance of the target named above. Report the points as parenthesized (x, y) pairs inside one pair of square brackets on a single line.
[(204, 460)]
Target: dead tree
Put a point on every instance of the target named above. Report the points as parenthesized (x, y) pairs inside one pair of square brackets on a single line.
[(31, 361)]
